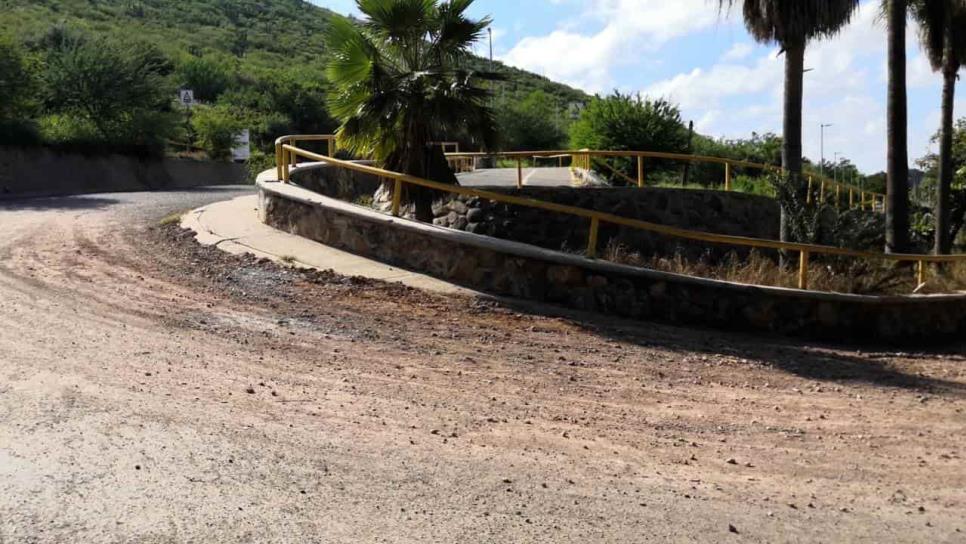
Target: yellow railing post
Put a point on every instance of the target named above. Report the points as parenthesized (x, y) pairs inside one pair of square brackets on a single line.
[(838, 196), (592, 242), (808, 197), (821, 197), (519, 173), (640, 171), (727, 176), (278, 161), (331, 147), (285, 165), (396, 197), (851, 198), (803, 270), (921, 274)]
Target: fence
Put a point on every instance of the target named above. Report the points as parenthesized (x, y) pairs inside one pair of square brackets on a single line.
[(288, 155)]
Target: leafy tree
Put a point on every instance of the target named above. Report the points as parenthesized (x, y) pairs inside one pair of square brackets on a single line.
[(17, 89), (121, 89), (399, 82), (932, 165), (532, 124), (792, 24), (208, 76), (629, 122), (216, 128), (943, 37)]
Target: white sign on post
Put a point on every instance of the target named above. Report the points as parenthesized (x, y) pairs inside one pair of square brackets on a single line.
[(242, 150), (186, 97)]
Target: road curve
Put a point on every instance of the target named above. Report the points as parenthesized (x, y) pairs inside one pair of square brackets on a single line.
[(155, 391)]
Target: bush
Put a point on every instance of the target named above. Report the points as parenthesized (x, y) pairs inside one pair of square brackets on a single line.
[(208, 77), (533, 124), (630, 122), (216, 129), (120, 90)]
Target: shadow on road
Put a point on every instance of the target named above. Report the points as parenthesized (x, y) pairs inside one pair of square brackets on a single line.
[(57, 203), (806, 359)]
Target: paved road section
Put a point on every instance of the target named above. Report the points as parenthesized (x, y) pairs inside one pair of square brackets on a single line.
[(507, 177)]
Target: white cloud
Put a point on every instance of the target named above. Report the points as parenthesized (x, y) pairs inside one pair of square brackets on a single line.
[(846, 87), (625, 28), (739, 51)]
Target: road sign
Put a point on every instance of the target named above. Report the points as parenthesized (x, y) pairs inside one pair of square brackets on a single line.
[(242, 150), (186, 97)]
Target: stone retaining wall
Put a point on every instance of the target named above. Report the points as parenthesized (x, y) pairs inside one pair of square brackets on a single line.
[(735, 214), (524, 271)]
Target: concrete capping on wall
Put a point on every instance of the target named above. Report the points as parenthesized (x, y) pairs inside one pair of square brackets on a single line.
[(514, 269)]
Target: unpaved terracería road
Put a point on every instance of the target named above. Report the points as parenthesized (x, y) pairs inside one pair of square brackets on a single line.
[(152, 390)]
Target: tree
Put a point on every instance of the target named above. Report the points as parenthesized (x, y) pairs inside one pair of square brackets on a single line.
[(897, 161), (217, 129), (629, 122), (942, 26), (17, 89), (399, 82), (532, 124), (208, 77), (791, 24), (121, 89)]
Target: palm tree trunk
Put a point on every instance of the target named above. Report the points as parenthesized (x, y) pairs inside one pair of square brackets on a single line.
[(897, 167), (792, 124), (944, 187)]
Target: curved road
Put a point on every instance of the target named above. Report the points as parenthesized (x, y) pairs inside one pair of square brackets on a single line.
[(152, 390)]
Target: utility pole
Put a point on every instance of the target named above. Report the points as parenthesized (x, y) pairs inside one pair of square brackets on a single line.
[(490, 30), (821, 166)]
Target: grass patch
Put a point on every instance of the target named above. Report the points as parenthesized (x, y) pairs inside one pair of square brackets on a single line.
[(837, 275), (172, 218), (287, 259)]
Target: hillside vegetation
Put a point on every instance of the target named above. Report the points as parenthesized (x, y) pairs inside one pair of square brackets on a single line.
[(255, 64)]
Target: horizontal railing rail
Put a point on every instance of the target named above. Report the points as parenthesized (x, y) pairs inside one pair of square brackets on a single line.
[(289, 158), (584, 158)]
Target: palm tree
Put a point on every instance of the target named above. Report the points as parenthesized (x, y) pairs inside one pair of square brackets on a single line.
[(791, 24), (897, 162), (399, 83), (942, 25)]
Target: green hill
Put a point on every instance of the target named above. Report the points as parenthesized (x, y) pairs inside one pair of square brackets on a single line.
[(262, 58)]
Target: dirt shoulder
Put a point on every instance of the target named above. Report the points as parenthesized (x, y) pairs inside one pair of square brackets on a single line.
[(157, 390)]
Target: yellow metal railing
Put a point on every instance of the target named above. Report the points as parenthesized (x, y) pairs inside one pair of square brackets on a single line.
[(820, 188), (288, 155)]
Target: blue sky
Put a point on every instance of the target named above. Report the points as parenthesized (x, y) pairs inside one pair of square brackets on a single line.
[(729, 85)]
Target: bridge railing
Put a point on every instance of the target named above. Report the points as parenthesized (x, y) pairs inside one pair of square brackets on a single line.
[(289, 154), (820, 189)]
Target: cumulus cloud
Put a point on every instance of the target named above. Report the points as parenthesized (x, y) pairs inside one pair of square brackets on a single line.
[(623, 28)]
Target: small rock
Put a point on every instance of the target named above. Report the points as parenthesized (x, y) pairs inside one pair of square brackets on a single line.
[(732, 529)]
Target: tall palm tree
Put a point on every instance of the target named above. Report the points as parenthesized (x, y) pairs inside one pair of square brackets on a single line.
[(897, 161), (942, 25), (399, 82), (791, 24)]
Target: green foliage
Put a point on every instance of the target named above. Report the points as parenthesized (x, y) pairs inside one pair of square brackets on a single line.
[(119, 89), (630, 122), (263, 59), (400, 81), (533, 124), (17, 82), (927, 190), (207, 76), (216, 129)]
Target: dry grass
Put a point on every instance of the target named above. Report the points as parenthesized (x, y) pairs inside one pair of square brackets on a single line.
[(172, 219), (839, 275)]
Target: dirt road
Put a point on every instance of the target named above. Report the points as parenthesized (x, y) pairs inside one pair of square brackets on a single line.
[(155, 391)]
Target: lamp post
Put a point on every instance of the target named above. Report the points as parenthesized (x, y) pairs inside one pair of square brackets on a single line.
[(821, 166)]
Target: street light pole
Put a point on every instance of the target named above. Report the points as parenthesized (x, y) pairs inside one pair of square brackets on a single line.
[(821, 166)]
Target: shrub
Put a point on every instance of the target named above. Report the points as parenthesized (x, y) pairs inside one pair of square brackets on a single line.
[(216, 129), (532, 124), (630, 122), (121, 90), (208, 77)]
